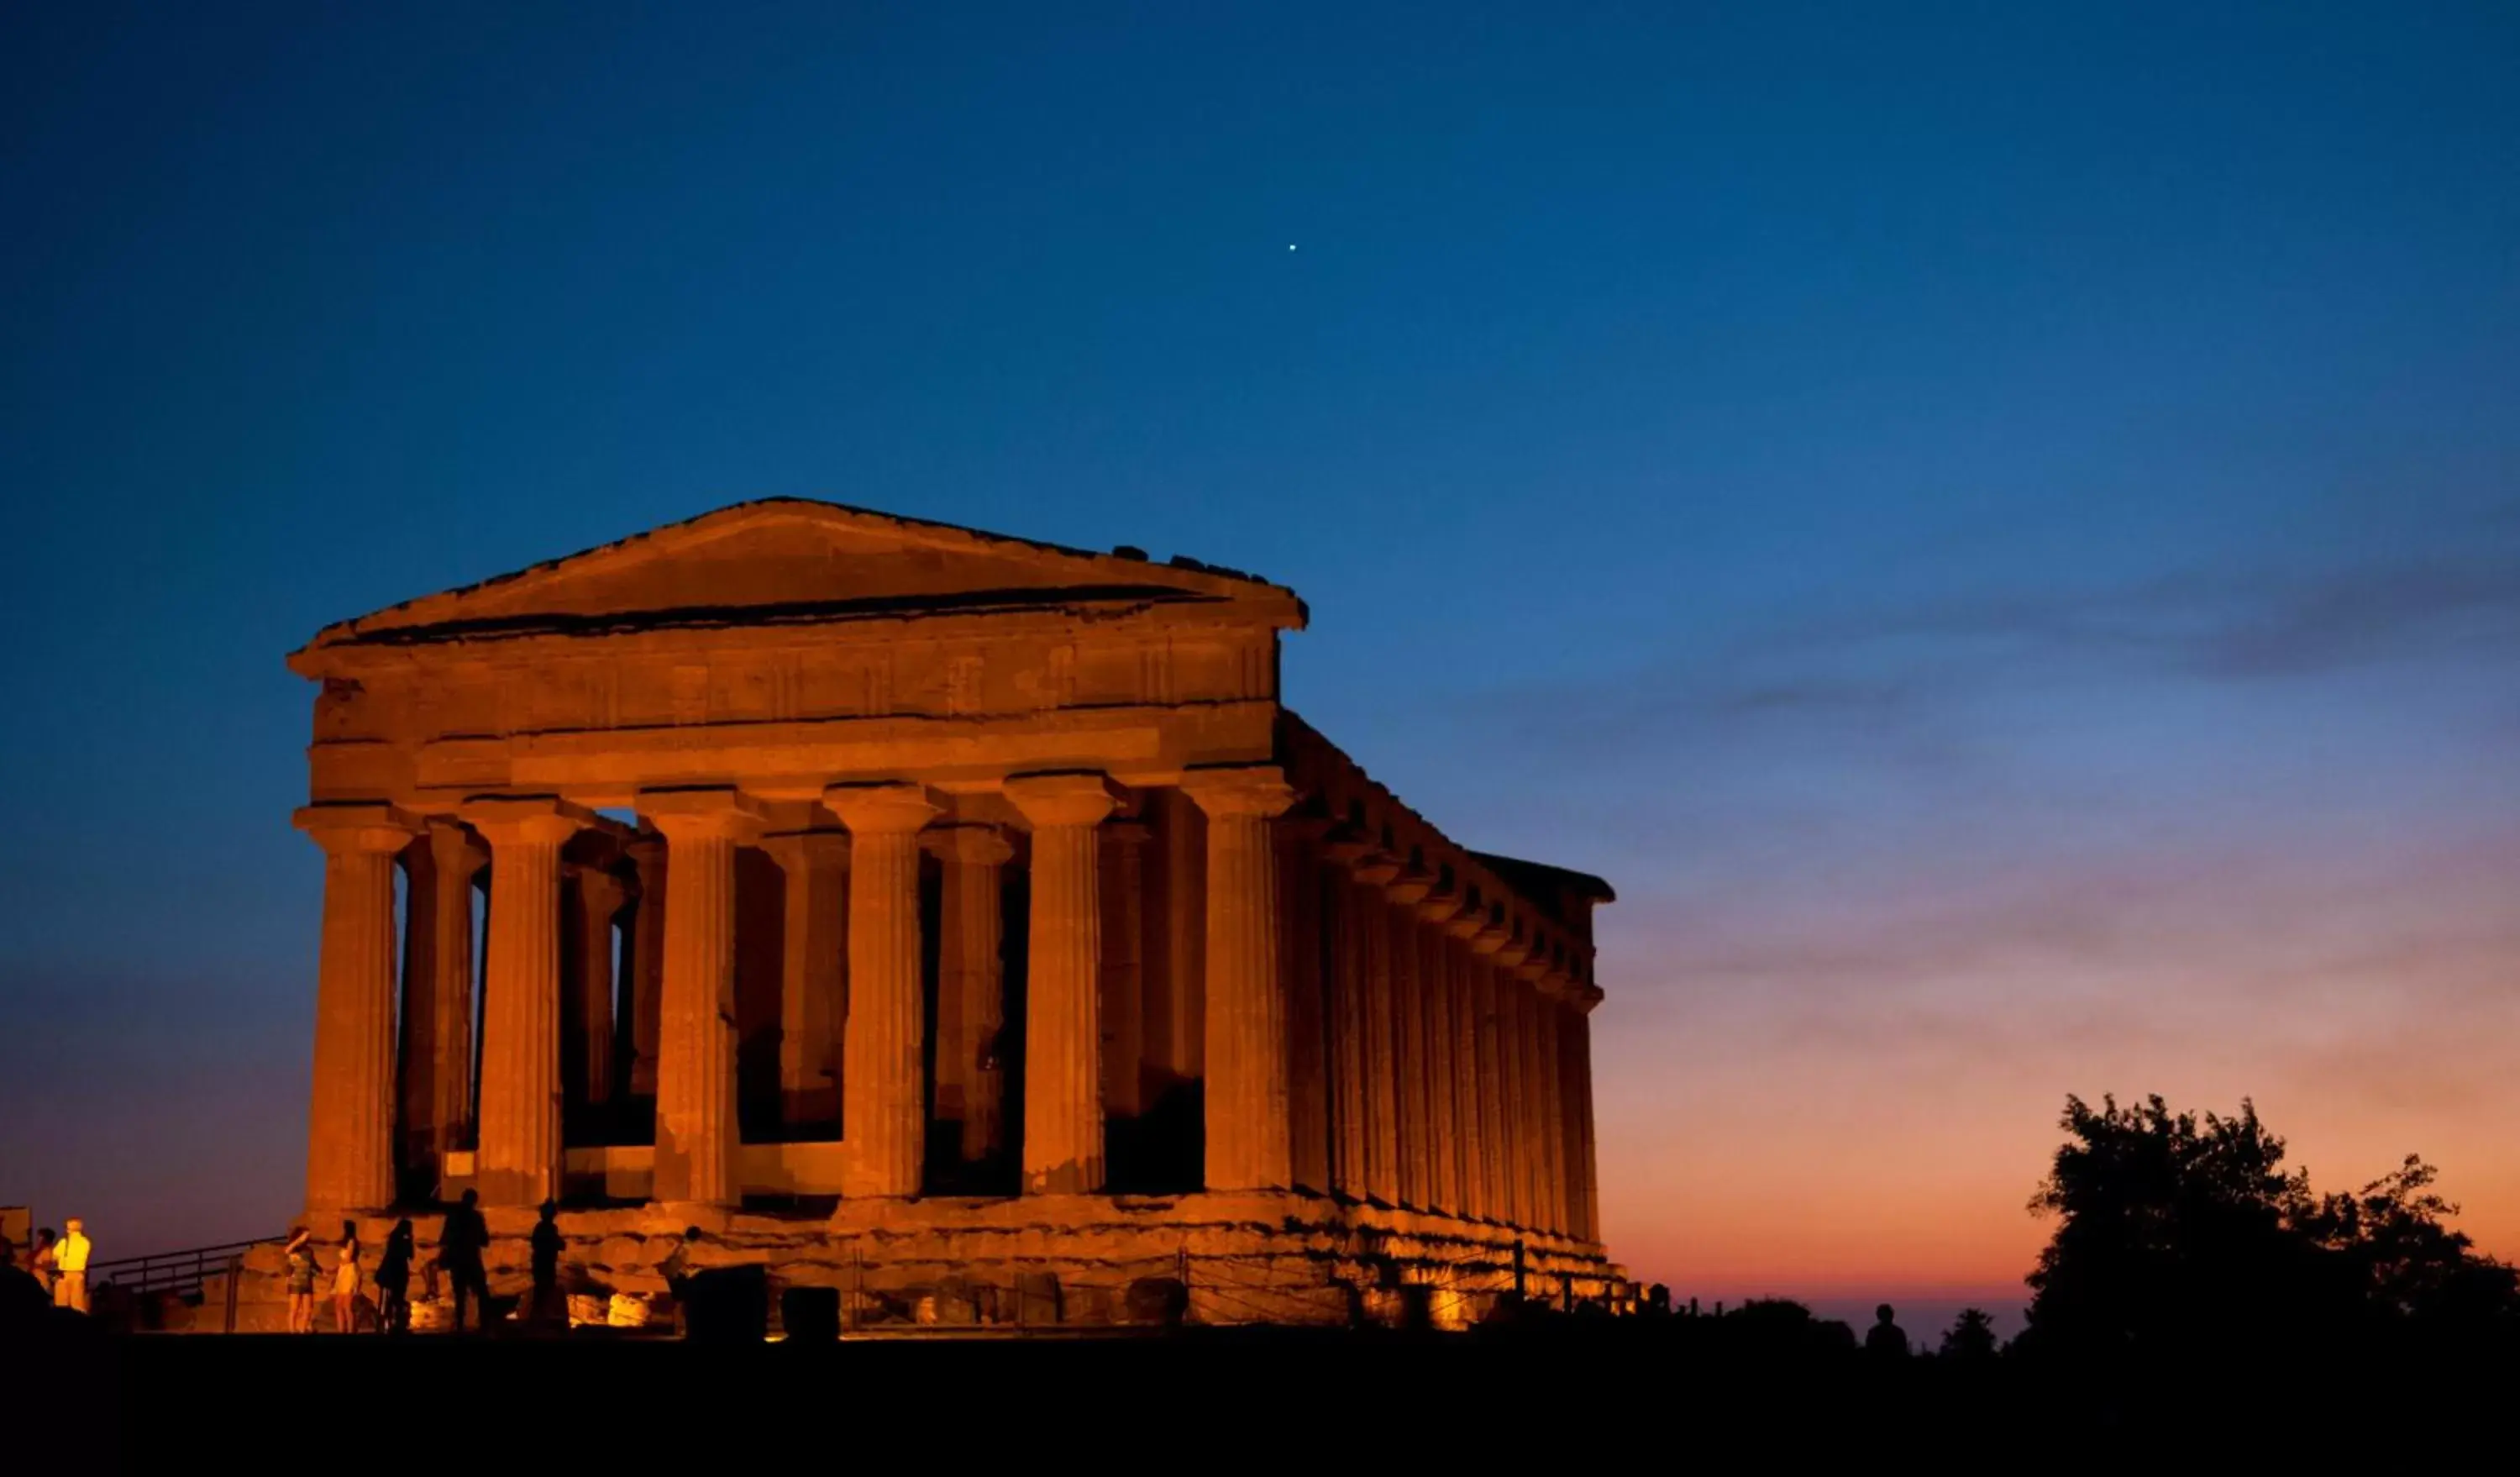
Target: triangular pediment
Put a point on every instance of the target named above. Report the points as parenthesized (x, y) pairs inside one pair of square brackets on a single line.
[(787, 559)]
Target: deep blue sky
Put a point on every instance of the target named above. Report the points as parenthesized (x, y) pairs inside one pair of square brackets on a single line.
[(1996, 525)]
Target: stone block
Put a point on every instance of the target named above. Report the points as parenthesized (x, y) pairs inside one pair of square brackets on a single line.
[(1037, 1300), (1161, 1301)]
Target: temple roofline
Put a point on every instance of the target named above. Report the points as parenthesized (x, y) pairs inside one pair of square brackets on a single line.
[(1528, 875), (1180, 578)]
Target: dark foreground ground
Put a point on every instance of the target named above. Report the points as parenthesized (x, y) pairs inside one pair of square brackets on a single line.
[(1584, 1395)]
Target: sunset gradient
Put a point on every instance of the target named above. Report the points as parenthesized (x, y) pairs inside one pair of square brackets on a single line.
[(1998, 531)]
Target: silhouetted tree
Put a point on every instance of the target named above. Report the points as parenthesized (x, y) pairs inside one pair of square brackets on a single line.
[(1971, 1337), (2185, 1236)]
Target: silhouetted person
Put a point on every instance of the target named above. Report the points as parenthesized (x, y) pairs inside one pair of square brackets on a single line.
[(393, 1279), (460, 1244), (547, 1245), (46, 1248), (675, 1268), (1885, 1339)]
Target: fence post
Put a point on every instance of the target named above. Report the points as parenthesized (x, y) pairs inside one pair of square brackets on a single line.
[(236, 1272)]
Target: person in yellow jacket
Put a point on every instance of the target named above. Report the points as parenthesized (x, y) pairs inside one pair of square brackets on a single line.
[(70, 1266)]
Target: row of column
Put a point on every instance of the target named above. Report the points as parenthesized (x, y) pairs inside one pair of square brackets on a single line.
[(519, 1154), (1459, 1063), (1435, 1064)]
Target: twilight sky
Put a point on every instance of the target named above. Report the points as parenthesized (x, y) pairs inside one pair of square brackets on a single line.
[(1997, 529)]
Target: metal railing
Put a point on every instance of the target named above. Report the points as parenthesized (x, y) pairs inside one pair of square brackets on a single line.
[(182, 1273)]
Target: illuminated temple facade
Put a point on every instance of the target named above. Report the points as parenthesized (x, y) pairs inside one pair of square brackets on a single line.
[(952, 919)]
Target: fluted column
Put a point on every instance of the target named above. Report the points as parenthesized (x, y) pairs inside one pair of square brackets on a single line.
[(589, 903), (1247, 1132), (1124, 971), (1409, 1038), (813, 951), (1525, 1079), (1062, 1130), (1496, 1135), (883, 1109), (698, 1139), (350, 1118), (1306, 993), (1371, 934), (971, 987), (646, 989), (1350, 1128), (520, 1155), (1458, 965), (1551, 1118), (1579, 1056), (437, 996), (1443, 1078), (1515, 1148)]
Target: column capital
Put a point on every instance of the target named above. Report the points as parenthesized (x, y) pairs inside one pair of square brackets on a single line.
[(455, 850), (883, 808), (603, 892), (1304, 827), (504, 820), (978, 845), (1239, 790), (1493, 935), (356, 830), (1583, 998), (1063, 799), (1409, 887), (1466, 925), (1441, 904), (793, 849), (1375, 869), (702, 813)]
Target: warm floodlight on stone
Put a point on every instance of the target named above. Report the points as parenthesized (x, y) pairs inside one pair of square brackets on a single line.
[(989, 943)]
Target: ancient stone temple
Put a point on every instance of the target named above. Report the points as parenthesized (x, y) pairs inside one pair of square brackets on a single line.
[(956, 919)]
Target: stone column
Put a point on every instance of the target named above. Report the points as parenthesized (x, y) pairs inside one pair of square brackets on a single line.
[(1349, 1092), (698, 1140), (1124, 972), (1176, 1027), (884, 1108), (1496, 1134), (1063, 1137), (1308, 1070), (592, 899), (1579, 1062), (351, 1119), (437, 996), (814, 865), (646, 963), (1459, 964), (1551, 1117), (971, 987), (1409, 1038), (1367, 914), (520, 1155), (1443, 1078), (1511, 1023), (1248, 1136), (1523, 1080)]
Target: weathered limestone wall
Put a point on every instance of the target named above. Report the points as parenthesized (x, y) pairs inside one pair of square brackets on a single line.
[(1259, 1258)]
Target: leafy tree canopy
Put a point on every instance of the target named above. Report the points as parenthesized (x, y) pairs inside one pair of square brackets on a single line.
[(2180, 1232)]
